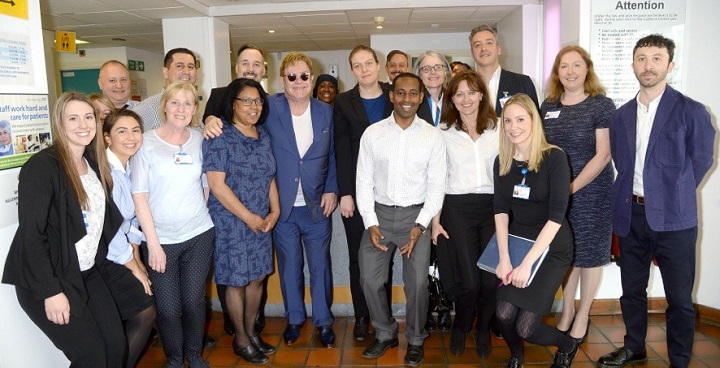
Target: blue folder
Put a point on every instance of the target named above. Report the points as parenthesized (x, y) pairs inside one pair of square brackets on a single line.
[(518, 248)]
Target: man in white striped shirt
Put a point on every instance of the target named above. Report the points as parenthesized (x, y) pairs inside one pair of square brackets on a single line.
[(401, 175)]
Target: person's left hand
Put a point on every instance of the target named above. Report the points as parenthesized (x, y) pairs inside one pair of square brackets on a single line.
[(328, 202), (415, 234)]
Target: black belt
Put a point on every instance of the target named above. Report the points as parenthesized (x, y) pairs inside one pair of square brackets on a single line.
[(639, 200), (396, 206)]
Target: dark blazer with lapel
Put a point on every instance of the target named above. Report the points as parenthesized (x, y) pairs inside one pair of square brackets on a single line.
[(679, 153), (316, 168), (350, 124), (214, 104), (42, 256), (514, 83), (424, 109)]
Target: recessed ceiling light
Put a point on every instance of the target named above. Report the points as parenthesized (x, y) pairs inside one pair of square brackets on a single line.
[(434, 25), (378, 27), (271, 31)]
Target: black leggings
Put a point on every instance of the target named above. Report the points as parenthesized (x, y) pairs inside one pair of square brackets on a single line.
[(517, 324)]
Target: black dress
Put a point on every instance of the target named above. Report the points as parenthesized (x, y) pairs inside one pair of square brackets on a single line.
[(549, 194)]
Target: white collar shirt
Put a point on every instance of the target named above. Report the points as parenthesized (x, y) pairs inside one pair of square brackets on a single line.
[(470, 164), (645, 118)]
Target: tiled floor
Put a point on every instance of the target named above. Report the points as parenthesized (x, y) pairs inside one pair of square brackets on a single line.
[(606, 333)]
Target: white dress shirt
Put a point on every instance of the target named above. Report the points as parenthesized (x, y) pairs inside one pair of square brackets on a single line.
[(302, 126), (645, 118), (399, 167), (470, 164), (494, 85)]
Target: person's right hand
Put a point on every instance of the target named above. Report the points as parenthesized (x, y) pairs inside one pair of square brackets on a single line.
[(57, 309), (438, 230), (156, 258), (347, 206), (144, 280), (376, 236), (504, 272), (255, 223), (213, 127)]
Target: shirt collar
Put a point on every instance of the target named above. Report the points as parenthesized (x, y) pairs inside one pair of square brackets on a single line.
[(652, 106), (114, 161)]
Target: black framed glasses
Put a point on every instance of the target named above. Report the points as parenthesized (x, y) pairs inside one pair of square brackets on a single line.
[(249, 101), (292, 77), (436, 67)]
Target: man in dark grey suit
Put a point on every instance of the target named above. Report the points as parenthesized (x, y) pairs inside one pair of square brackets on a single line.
[(502, 83)]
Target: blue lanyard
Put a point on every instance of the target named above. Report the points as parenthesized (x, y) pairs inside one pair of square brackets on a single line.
[(436, 120)]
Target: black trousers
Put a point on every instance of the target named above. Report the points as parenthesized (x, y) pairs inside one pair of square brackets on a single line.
[(94, 337), (354, 229), (675, 255), (469, 220)]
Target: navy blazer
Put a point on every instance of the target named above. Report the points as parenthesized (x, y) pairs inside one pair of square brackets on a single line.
[(351, 120), (424, 108), (514, 83), (42, 256), (316, 168), (679, 154)]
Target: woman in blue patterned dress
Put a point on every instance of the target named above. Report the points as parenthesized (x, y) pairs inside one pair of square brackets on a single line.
[(244, 205), (576, 116)]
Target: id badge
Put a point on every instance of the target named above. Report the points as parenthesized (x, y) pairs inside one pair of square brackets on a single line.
[(552, 114), (504, 99), (183, 158), (521, 191)]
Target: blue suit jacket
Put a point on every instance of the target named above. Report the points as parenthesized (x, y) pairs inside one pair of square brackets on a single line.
[(316, 168), (679, 153)]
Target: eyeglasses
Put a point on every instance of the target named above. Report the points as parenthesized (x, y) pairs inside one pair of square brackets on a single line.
[(436, 67), (292, 77), (249, 101)]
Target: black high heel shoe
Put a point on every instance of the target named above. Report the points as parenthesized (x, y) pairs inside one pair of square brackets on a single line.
[(565, 332), (580, 340), (250, 353)]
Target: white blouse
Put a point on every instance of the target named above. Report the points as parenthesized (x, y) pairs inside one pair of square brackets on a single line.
[(470, 164)]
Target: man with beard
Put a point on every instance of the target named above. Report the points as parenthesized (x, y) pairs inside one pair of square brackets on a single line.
[(397, 63), (250, 64), (400, 187), (662, 145), (179, 64)]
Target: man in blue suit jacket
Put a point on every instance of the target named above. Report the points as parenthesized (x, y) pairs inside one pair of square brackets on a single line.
[(662, 146), (302, 138)]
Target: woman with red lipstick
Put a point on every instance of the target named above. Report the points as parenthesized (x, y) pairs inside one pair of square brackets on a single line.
[(531, 179)]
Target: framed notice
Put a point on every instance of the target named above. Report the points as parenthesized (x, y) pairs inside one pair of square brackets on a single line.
[(24, 128), (616, 27)]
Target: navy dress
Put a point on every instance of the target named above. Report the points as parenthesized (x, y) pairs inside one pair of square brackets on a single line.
[(572, 128), (241, 256)]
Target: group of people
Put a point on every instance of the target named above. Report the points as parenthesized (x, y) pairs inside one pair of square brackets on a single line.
[(126, 227)]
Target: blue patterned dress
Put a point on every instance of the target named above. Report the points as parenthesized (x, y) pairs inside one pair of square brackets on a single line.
[(249, 165), (572, 128)]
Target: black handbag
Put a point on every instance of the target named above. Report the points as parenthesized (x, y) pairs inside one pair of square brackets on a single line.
[(439, 302)]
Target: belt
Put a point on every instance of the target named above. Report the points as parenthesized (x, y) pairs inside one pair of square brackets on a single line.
[(639, 200), (396, 206)]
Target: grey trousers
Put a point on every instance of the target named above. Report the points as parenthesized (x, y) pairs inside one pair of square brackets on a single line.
[(395, 225)]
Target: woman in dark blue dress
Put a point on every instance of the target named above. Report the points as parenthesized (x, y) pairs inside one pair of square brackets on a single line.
[(244, 206)]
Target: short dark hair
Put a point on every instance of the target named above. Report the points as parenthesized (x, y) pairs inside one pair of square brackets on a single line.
[(407, 75), (234, 89), (180, 50), (249, 46), (397, 52), (657, 40), (452, 65)]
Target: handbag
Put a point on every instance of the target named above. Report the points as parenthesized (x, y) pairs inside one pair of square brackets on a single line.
[(439, 302)]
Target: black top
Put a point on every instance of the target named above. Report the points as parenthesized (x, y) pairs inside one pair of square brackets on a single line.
[(42, 256), (513, 83), (214, 104), (351, 120)]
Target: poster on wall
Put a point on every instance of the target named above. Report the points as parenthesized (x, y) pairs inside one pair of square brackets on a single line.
[(21, 50), (616, 27), (24, 128)]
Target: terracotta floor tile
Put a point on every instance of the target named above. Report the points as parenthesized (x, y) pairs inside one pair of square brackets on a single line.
[(437, 339), (274, 325), (290, 358), (537, 354), (303, 342), (615, 334), (655, 333), (612, 320), (595, 351), (222, 356), (324, 357), (706, 349), (154, 356), (467, 357), (353, 356)]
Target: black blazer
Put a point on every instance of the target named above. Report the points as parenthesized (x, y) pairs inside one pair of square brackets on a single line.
[(514, 83), (42, 256), (214, 104), (424, 109), (350, 122)]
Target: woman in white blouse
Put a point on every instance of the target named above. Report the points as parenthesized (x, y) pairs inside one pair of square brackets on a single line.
[(466, 223)]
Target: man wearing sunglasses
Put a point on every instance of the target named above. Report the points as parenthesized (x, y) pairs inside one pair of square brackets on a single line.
[(502, 83)]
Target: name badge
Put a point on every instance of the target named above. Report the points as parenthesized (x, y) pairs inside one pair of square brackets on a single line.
[(504, 99), (521, 191), (552, 114), (183, 158)]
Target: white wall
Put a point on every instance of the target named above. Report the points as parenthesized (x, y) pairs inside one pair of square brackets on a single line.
[(699, 83)]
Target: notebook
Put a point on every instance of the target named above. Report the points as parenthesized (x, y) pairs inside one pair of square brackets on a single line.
[(517, 247)]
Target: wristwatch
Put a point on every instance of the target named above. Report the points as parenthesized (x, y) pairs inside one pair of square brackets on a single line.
[(420, 227)]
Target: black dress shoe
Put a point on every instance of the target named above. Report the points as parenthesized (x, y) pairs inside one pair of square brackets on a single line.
[(327, 336), (430, 323), (378, 348), (414, 355), (514, 363), (262, 345), (483, 345), (565, 359), (444, 321), (209, 341), (457, 341), (620, 357), (260, 321), (250, 353), (292, 333), (360, 331)]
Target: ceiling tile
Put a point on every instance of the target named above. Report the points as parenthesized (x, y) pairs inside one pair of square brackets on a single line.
[(160, 13), (391, 15), (316, 20), (58, 7), (102, 18)]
